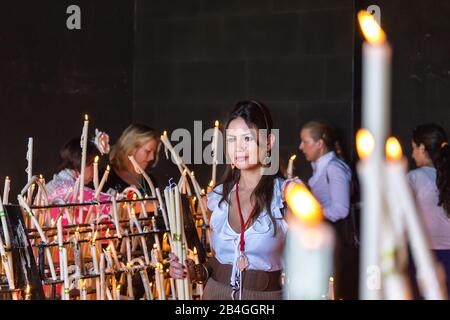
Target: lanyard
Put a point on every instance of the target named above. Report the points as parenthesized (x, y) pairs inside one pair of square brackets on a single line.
[(241, 218)]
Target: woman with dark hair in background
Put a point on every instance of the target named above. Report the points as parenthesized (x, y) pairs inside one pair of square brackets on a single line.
[(69, 169), (431, 185), (331, 184), (248, 215)]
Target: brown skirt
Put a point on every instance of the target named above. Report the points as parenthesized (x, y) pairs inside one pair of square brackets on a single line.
[(218, 291)]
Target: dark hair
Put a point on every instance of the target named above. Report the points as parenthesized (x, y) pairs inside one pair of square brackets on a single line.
[(435, 140), (70, 154), (322, 130), (257, 116)]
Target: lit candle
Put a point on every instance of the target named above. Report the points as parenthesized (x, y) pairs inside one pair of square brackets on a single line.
[(83, 295), (197, 261), (96, 172), (375, 118), (331, 288), (400, 192), (27, 293), (84, 139), (309, 246), (369, 172), (102, 182), (290, 168), (118, 292), (6, 190), (215, 149)]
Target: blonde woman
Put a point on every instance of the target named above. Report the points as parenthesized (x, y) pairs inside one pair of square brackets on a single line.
[(143, 143)]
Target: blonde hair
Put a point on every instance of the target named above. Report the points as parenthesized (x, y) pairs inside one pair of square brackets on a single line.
[(131, 139)]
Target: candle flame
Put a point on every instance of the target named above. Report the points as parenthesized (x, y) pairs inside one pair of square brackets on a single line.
[(27, 290), (393, 149), (331, 279), (165, 133), (303, 204), (86, 118), (41, 177), (372, 31), (192, 173), (96, 159), (195, 251), (216, 124), (202, 191), (108, 168), (7, 178), (365, 143), (292, 158)]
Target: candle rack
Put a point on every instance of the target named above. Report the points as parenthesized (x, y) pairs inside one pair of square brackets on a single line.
[(116, 259)]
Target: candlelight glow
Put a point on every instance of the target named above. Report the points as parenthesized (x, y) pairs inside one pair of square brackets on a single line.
[(370, 28), (293, 157), (107, 168), (365, 143), (216, 124), (303, 204), (195, 250), (27, 290), (203, 191), (96, 159), (86, 118), (393, 149), (211, 183)]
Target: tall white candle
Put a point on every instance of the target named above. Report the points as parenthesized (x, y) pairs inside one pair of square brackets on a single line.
[(427, 275), (370, 174), (6, 190), (60, 247), (84, 138), (376, 79)]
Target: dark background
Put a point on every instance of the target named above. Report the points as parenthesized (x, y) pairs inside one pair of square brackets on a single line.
[(167, 63)]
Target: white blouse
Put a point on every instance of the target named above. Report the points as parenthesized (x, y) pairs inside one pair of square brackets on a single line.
[(263, 249), (330, 184), (437, 223)]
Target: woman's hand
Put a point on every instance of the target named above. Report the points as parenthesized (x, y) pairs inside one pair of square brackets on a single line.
[(180, 271)]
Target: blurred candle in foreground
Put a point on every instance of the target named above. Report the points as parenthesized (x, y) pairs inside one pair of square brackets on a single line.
[(309, 246)]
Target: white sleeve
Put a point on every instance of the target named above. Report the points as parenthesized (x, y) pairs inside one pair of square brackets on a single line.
[(339, 187)]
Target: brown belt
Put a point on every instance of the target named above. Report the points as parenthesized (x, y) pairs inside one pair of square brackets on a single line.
[(256, 280)]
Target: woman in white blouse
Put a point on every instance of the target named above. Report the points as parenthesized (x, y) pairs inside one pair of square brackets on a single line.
[(430, 183), (248, 216), (331, 185)]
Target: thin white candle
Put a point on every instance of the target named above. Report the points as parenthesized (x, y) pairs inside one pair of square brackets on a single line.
[(95, 179), (290, 168), (84, 138), (29, 169), (6, 190), (215, 149), (376, 79)]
